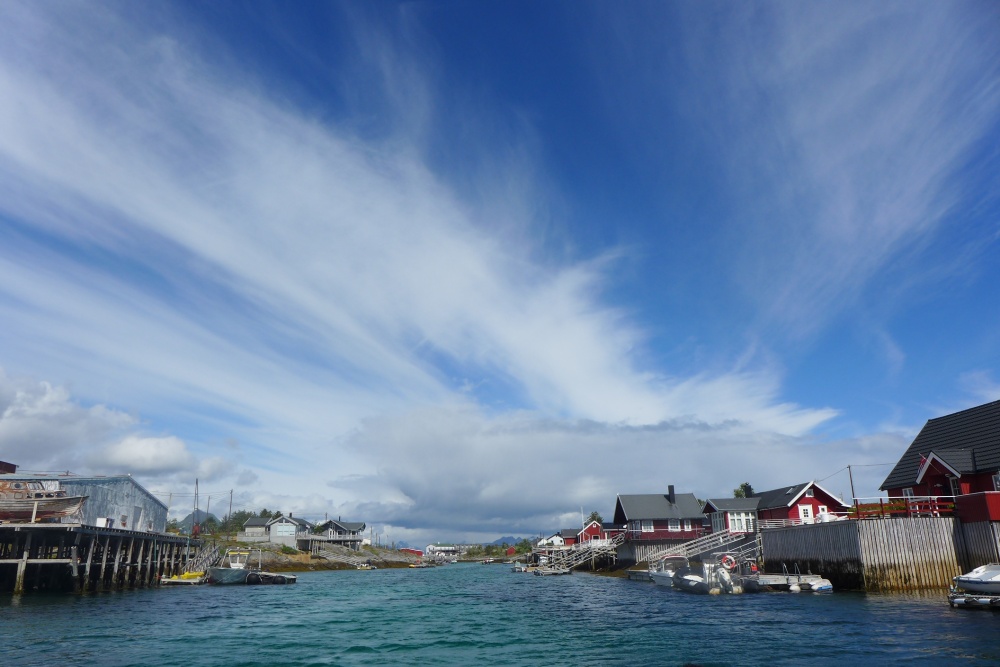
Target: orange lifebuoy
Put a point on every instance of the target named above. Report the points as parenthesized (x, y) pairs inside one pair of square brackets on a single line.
[(728, 562)]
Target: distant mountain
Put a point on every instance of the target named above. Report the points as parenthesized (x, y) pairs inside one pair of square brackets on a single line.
[(511, 540)]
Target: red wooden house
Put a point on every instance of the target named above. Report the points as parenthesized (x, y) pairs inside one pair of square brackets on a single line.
[(658, 516), (956, 455), (801, 503)]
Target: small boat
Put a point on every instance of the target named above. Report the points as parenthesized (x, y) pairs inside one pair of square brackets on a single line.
[(662, 571), (236, 569), (817, 586), (28, 500), (552, 571), (184, 579), (686, 579), (983, 579), (519, 567)]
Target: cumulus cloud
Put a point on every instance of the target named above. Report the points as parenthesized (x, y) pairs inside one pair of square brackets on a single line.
[(43, 428), (145, 455)]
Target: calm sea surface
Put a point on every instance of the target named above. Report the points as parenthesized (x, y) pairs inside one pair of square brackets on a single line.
[(485, 614)]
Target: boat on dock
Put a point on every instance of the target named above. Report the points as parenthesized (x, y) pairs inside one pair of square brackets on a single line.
[(236, 569), (26, 500), (983, 579), (552, 571)]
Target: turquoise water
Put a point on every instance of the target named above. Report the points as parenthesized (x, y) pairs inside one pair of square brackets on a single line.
[(485, 614)]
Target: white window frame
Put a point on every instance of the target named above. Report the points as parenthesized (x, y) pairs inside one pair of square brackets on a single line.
[(687, 525), (647, 525), (674, 525), (908, 493), (718, 522), (810, 492), (955, 485), (822, 509)]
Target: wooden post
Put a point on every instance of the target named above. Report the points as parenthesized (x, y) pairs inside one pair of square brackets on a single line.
[(138, 579), (74, 557), (118, 559), (86, 568), (128, 563), (22, 565), (102, 582)]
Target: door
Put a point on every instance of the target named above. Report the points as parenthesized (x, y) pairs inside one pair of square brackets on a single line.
[(806, 513)]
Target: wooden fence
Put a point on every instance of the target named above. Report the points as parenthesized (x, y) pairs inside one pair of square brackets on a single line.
[(885, 554)]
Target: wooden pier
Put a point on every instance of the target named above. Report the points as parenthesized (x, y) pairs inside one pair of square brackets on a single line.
[(76, 558)]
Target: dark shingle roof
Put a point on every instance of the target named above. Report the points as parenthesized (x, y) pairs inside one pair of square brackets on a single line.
[(969, 441), (781, 497), (255, 521), (656, 506), (734, 504)]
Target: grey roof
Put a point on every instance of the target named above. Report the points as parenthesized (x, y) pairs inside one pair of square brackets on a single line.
[(733, 504), (569, 532), (657, 506), (349, 526), (969, 441), (294, 519), (255, 521)]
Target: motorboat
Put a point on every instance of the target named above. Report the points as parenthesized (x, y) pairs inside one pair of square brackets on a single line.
[(662, 571), (983, 579), (686, 579), (236, 568), (31, 500)]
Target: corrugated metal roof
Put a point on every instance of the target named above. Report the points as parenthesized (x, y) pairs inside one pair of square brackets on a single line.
[(968, 440)]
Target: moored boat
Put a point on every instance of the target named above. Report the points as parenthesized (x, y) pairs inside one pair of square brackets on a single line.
[(236, 569), (686, 579), (662, 571), (983, 579)]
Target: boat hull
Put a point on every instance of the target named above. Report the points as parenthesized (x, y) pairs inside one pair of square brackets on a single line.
[(983, 579), (225, 576), (47, 508)]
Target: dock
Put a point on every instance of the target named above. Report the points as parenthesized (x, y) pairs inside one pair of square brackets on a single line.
[(67, 557)]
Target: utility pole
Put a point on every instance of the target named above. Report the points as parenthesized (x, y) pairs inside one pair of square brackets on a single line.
[(850, 475)]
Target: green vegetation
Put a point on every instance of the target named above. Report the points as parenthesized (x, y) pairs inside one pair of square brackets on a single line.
[(744, 490), (595, 516)]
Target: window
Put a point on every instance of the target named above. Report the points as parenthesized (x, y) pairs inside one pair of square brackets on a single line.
[(821, 509), (908, 492), (674, 525), (956, 486), (718, 522), (810, 492), (647, 526), (687, 525)]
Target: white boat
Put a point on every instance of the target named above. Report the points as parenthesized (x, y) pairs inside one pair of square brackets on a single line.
[(984, 579), (662, 571)]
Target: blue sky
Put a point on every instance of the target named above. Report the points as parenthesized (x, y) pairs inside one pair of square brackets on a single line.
[(462, 269)]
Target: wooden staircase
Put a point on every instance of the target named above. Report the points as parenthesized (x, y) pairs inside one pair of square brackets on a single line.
[(700, 545), (585, 551)]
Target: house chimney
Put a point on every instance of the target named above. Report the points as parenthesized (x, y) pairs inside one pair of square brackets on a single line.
[(671, 498)]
